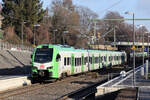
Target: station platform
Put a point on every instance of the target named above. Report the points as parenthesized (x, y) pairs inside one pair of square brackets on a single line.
[(127, 82), (12, 82)]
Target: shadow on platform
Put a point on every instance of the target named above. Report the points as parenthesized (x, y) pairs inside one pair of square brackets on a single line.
[(17, 70)]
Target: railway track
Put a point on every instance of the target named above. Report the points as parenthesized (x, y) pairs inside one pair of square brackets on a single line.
[(33, 87), (75, 82)]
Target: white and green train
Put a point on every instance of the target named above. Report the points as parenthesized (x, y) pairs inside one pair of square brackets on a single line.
[(56, 61)]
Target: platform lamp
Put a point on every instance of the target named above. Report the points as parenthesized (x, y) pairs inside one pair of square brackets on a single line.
[(148, 36), (36, 25), (133, 81)]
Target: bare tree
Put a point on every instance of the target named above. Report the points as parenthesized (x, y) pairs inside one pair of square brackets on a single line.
[(87, 18), (64, 18)]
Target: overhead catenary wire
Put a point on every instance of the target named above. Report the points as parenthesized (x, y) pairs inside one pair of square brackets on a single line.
[(116, 3)]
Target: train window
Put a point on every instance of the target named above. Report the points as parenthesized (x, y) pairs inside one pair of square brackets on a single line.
[(85, 60), (109, 58), (96, 59), (104, 58), (90, 59), (101, 58), (68, 61), (75, 61), (58, 57), (80, 61), (65, 61)]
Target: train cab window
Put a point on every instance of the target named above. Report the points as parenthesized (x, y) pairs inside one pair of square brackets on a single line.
[(43, 55), (65, 61)]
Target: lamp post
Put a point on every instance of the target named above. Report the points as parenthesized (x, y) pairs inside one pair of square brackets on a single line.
[(142, 68), (133, 81), (36, 25), (148, 45), (148, 48), (22, 25), (63, 36), (55, 35)]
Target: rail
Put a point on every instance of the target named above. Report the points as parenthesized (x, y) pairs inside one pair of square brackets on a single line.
[(85, 92)]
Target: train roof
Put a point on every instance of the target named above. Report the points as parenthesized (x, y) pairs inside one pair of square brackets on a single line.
[(70, 48)]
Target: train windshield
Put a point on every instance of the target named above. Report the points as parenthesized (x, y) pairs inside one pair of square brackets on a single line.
[(43, 55)]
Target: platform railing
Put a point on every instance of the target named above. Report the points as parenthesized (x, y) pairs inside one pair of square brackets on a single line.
[(15, 47)]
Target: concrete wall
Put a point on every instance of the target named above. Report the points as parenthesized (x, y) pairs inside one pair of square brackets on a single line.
[(14, 62)]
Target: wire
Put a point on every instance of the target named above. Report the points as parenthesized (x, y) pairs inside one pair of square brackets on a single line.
[(111, 6)]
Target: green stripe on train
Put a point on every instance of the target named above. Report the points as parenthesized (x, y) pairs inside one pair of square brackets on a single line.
[(72, 64), (82, 60)]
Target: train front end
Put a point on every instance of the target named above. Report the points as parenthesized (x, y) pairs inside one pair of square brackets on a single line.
[(43, 62)]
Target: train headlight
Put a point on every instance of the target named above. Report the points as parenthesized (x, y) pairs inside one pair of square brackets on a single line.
[(50, 67), (34, 68)]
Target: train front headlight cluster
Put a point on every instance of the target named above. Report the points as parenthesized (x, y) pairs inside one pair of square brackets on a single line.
[(35, 68), (50, 67)]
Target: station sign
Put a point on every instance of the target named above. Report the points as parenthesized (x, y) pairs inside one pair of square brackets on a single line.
[(133, 47)]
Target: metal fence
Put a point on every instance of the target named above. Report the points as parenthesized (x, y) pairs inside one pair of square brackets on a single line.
[(15, 47)]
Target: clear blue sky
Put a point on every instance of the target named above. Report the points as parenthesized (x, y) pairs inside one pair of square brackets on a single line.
[(141, 8)]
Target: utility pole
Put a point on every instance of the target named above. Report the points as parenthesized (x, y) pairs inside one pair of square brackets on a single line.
[(94, 32), (143, 47), (22, 32), (114, 37), (148, 48)]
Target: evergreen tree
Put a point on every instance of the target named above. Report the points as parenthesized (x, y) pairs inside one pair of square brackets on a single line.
[(16, 12)]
